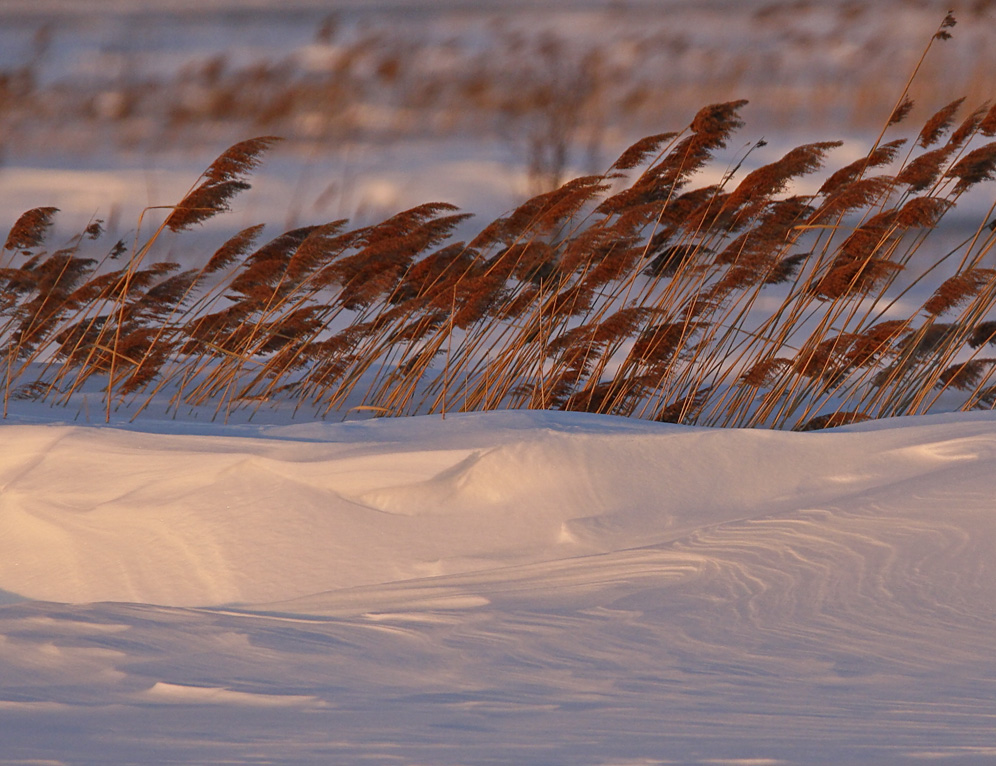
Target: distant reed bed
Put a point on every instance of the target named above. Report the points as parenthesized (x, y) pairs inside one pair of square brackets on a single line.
[(636, 292), (555, 87)]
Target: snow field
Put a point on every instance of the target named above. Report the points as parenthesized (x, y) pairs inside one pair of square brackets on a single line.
[(542, 588)]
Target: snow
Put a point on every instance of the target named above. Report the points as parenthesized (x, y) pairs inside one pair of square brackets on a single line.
[(536, 588), (504, 587)]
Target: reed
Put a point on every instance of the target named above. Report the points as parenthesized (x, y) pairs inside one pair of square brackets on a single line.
[(634, 292)]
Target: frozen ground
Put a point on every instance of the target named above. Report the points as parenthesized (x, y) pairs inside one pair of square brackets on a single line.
[(528, 588)]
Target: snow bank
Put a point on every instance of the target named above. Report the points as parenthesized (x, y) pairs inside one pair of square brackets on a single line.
[(525, 587), (100, 514)]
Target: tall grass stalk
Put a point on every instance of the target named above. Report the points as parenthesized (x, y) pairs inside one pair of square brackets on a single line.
[(634, 292)]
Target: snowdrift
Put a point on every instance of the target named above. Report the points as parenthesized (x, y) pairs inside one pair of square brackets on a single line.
[(502, 587)]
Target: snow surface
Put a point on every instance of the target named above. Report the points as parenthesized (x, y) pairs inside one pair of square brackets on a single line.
[(519, 587)]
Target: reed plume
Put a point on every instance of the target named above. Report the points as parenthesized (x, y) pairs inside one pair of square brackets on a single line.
[(30, 229), (222, 181)]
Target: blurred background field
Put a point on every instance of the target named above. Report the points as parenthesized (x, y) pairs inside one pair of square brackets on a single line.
[(110, 105)]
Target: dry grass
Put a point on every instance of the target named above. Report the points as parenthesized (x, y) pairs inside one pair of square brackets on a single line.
[(635, 292)]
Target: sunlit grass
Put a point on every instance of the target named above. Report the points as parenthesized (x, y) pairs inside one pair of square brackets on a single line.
[(641, 291)]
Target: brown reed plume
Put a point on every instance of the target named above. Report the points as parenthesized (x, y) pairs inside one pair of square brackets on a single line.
[(223, 179), (30, 229)]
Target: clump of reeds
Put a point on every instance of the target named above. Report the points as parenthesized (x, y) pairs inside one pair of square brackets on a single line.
[(635, 292)]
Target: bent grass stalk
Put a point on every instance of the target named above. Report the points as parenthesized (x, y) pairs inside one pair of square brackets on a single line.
[(633, 292)]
